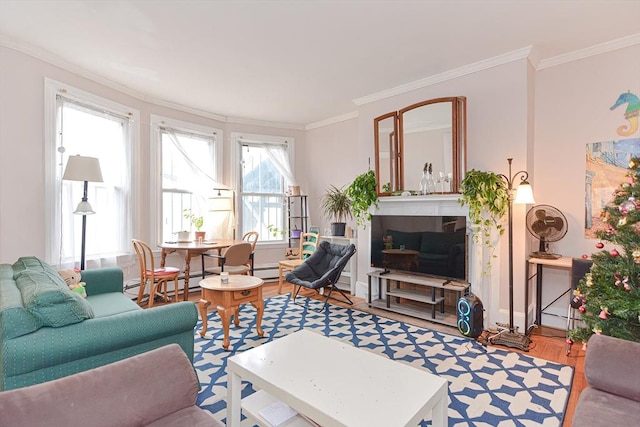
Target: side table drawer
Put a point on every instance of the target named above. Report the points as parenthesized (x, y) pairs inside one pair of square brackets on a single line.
[(245, 295)]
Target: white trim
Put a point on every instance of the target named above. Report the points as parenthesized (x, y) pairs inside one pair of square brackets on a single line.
[(51, 89), (237, 138), (155, 155), (333, 120), (590, 51), (448, 75), (252, 122), (52, 59)]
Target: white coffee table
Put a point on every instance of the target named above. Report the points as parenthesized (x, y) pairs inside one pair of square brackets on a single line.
[(336, 384)]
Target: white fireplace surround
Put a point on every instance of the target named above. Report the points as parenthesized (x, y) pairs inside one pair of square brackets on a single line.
[(485, 287)]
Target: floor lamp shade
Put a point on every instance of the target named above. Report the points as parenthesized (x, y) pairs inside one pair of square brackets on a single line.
[(86, 169), (80, 168)]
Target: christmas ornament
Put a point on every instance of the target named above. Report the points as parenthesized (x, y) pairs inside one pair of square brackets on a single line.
[(585, 256), (569, 341), (599, 245), (582, 309), (627, 206), (614, 253), (604, 314), (636, 256)]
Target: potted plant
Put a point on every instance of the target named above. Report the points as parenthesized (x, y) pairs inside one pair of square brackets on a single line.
[(337, 205), (196, 221), (363, 194), (485, 193)]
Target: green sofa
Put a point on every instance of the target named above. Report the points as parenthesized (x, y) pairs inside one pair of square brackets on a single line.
[(49, 332)]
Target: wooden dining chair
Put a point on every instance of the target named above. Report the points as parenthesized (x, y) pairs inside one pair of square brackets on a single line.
[(157, 278), (235, 260), (308, 244), (251, 237)]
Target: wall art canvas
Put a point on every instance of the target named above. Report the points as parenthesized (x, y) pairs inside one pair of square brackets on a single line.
[(607, 163)]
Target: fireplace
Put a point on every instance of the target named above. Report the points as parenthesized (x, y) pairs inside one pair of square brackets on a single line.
[(447, 205)]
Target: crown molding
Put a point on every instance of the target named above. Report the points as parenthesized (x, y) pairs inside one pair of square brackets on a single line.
[(54, 60), (448, 75), (332, 120), (252, 122), (590, 51)]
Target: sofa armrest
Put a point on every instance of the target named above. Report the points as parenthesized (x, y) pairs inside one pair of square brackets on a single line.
[(80, 343), (124, 393), (611, 366), (103, 280)]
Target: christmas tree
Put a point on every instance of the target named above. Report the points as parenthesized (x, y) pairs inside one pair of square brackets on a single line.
[(609, 296)]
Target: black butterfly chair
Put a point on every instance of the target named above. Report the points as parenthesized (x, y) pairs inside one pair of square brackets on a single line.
[(322, 270)]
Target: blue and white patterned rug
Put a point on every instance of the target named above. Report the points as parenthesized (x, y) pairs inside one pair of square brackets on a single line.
[(487, 386)]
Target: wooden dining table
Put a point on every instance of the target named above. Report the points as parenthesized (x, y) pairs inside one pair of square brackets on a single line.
[(190, 250)]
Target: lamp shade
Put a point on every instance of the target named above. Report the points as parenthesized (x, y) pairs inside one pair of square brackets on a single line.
[(80, 168), (220, 204), (84, 208), (524, 194)]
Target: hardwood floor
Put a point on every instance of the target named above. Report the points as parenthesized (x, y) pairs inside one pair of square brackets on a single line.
[(547, 343)]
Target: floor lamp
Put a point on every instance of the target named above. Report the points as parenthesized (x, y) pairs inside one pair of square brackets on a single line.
[(85, 169), (222, 202), (524, 195)]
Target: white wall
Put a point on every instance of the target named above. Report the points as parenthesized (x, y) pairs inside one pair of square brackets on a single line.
[(572, 110), (22, 207), (542, 119), (513, 111)]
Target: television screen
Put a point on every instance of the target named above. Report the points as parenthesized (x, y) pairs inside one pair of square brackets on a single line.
[(429, 245)]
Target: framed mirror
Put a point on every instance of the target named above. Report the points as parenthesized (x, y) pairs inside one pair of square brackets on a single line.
[(386, 140), (431, 132)]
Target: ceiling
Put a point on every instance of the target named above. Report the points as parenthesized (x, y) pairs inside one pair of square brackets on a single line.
[(296, 62)]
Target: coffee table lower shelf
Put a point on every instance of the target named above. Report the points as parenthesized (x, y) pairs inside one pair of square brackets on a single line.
[(413, 310), (254, 403)]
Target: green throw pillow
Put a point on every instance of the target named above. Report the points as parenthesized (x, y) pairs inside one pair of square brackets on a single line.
[(47, 297)]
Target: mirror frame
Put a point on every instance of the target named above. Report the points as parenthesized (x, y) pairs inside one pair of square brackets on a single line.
[(458, 143), (394, 172)]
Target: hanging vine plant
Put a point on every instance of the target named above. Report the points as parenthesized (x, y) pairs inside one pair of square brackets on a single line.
[(363, 193), (485, 193)]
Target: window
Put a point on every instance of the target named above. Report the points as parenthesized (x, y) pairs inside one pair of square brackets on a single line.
[(89, 126), (188, 165), (264, 172)]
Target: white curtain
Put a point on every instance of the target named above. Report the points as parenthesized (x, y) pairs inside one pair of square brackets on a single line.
[(278, 155), (91, 131)]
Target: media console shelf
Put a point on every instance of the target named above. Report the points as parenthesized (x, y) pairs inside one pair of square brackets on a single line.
[(400, 300)]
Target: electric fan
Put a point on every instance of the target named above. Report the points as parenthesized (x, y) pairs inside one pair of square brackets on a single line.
[(547, 224)]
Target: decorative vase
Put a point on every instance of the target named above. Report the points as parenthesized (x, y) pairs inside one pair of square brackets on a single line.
[(424, 184)]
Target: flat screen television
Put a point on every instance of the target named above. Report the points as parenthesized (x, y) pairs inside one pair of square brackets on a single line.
[(429, 245)]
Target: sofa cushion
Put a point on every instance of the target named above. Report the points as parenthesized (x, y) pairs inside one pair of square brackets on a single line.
[(600, 409), (15, 320), (49, 300), (33, 264), (104, 305)]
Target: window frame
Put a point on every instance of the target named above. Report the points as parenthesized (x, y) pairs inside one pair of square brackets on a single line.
[(240, 138), (53, 167), (155, 167)]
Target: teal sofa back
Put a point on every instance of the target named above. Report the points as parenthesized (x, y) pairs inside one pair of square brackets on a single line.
[(48, 331)]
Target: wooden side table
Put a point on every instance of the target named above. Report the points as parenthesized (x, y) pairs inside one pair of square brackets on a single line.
[(227, 298)]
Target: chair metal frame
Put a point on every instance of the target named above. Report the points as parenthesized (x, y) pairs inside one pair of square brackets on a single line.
[(251, 237), (308, 244), (329, 279), (231, 253)]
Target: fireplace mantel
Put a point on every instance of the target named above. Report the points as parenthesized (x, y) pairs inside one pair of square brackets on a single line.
[(448, 204)]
